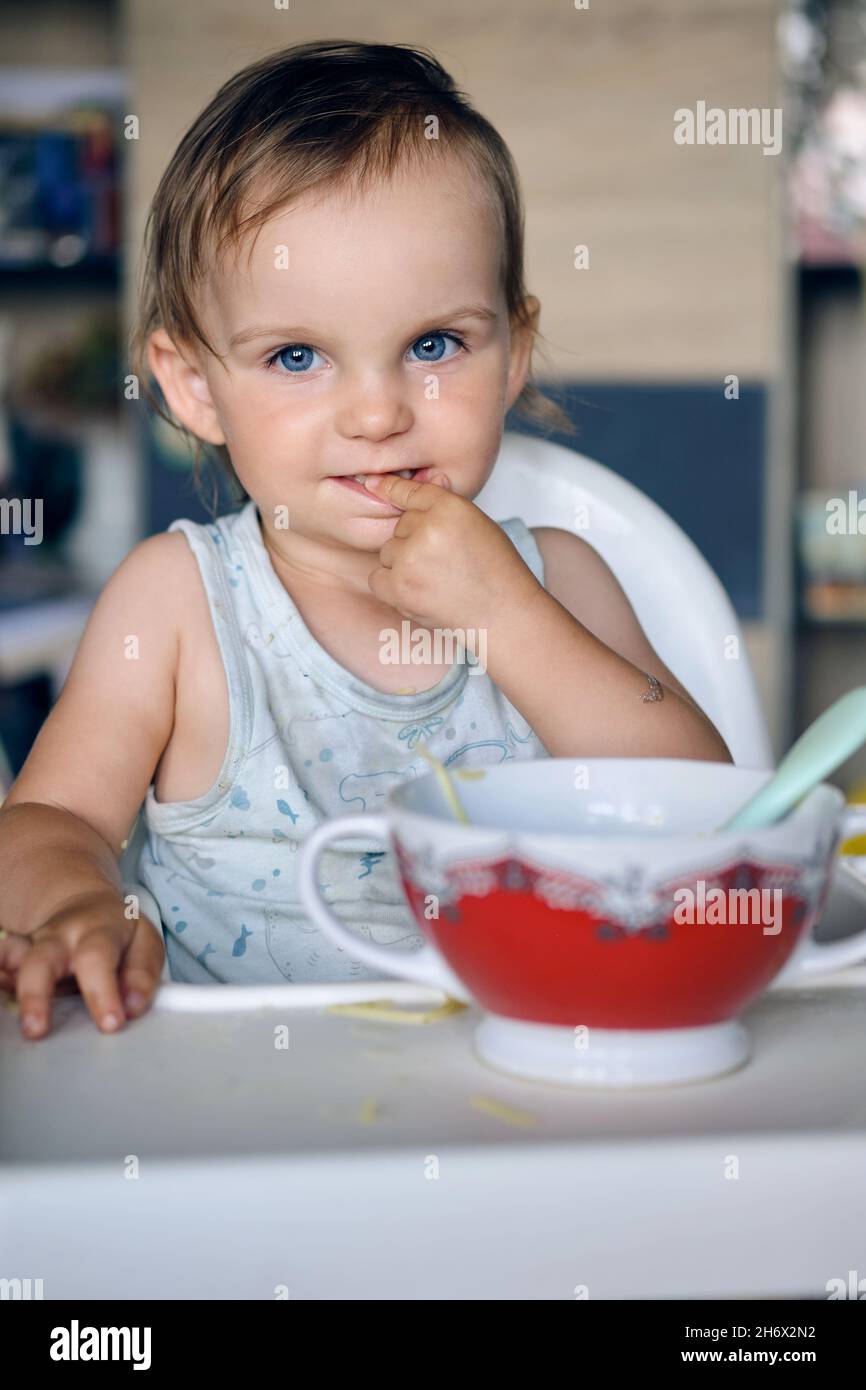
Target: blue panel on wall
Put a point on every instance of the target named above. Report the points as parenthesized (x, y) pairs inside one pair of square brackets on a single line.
[(170, 489), (697, 455)]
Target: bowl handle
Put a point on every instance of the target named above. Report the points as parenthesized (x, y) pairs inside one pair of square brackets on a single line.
[(814, 958), (425, 966)]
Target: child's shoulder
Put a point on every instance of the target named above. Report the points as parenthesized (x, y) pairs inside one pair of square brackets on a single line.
[(158, 566), (117, 710), (162, 548), (155, 590)]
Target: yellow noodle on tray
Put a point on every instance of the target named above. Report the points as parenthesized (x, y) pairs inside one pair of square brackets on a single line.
[(521, 1119), (445, 783), (383, 1011)]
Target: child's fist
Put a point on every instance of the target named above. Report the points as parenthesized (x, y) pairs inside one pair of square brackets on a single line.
[(446, 563)]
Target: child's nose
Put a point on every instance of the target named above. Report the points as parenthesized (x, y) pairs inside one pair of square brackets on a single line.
[(375, 406)]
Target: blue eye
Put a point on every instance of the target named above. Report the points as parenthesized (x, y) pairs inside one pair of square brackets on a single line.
[(298, 358), (433, 346)]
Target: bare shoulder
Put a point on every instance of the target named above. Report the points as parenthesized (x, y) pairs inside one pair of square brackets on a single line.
[(96, 751), (158, 563), (165, 557), (191, 759), (157, 586), (167, 568), (583, 582)]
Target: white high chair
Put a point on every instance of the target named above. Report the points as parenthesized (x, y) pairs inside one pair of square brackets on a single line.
[(677, 597), (679, 600)]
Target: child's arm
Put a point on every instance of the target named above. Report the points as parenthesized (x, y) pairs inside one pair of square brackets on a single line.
[(607, 712), (581, 580), (570, 655), (64, 821)]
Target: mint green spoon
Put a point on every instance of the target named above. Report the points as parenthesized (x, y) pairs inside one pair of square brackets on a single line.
[(834, 736)]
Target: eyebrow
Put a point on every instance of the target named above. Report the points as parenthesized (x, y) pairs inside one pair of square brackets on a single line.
[(467, 311)]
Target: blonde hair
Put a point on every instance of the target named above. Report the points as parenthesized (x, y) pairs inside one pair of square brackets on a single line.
[(314, 116)]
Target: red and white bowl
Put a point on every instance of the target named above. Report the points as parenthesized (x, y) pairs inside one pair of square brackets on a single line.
[(609, 932)]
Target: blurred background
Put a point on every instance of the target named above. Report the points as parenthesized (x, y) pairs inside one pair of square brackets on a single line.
[(713, 351)]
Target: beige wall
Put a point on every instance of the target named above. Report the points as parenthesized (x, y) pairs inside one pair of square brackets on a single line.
[(59, 33), (683, 280)]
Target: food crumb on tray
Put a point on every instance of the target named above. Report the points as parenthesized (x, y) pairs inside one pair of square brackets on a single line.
[(521, 1118), (384, 1010)]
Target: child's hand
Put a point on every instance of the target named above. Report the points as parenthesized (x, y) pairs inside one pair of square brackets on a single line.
[(446, 563), (116, 963)]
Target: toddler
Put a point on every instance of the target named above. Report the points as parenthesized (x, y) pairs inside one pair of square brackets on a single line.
[(333, 301)]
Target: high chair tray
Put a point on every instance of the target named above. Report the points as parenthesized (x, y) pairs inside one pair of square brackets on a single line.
[(209, 1153)]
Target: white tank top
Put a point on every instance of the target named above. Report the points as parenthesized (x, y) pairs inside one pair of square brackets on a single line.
[(307, 741)]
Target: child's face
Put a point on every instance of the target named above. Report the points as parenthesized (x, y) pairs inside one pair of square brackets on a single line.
[(349, 302)]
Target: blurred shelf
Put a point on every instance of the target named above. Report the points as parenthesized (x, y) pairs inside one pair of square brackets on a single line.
[(94, 273), (31, 96), (835, 625), (830, 266), (818, 282), (23, 583), (41, 636)]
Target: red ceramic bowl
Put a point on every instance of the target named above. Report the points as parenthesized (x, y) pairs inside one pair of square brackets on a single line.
[(599, 895)]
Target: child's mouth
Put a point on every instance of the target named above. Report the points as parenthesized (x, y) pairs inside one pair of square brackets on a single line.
[(356, 483)]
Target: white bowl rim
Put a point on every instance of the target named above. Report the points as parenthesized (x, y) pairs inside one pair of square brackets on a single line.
[(814, 807)]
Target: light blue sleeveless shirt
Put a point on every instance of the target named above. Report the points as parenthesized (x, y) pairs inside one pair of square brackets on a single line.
[(307, 741)]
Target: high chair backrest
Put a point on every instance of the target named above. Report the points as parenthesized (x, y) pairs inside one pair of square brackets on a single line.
[(677, 597)]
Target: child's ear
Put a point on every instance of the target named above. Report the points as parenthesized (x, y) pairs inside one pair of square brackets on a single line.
[(184, 387), (520, 358)]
